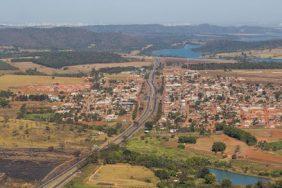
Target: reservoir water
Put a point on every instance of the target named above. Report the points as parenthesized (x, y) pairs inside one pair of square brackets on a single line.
[(185, 52), (237, 179)]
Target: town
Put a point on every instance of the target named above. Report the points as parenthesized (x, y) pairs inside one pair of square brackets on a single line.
[(194, 99)]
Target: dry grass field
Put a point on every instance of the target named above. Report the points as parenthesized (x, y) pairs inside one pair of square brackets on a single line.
[(123, 176), (30, 134), (14, 82), (23, 66), (87, 68), (257, 76), (273, 53)]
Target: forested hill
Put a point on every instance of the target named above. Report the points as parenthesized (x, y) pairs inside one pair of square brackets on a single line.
[(124, 38), (181, 29), (231, 46), (67, 38)]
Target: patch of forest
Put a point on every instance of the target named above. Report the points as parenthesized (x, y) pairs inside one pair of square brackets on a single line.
[(61, 59)]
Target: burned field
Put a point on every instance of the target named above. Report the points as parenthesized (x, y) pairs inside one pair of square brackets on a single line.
[(29, 165), (27, 170)]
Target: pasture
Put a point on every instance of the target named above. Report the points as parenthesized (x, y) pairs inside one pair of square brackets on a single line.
[(14, 82), (123, 175)]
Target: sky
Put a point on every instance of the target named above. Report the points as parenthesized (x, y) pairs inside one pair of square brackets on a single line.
[(219, 12)]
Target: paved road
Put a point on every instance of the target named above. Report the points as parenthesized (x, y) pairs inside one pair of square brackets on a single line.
[(64, 177)]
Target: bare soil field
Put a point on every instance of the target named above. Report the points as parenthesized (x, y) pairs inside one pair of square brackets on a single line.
[(256, 76), (269, 135), (123, 176)]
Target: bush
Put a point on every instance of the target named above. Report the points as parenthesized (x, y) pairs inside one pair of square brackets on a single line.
[(181, 146), (187, 139), (240, 135), (210, 179), (149, 125), (202, 173), (218, 147), (162, 174), (3, 102), (226, 183)]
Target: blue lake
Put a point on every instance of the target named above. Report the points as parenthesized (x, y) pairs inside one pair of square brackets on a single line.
[(237, 179), (185, 52)]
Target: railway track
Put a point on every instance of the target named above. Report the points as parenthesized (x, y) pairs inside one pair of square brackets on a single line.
[(60, 179)]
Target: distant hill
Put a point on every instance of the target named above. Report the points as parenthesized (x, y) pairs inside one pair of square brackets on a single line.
[(66, 38), (81, 38), (124, 38), (230, 46), (182, 30)]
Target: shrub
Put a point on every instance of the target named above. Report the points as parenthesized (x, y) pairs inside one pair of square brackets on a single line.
[(226, 183), (218, 147), (210, 179), (162, 174), (181, 146), (187, 139), (202, 173), (240, 135)]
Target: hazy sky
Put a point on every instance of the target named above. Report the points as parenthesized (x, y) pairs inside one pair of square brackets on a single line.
[(223, 12)]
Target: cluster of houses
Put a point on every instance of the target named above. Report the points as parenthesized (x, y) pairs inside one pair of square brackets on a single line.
[(191, 98), (113, 99)]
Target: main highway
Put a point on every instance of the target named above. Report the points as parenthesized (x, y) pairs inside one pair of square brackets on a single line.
[(60, 179)]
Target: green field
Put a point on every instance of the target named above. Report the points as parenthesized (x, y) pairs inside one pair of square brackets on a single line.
[(6, 66), (153, 145)]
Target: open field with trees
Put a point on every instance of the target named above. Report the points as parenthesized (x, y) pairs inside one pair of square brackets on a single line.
[(31, 134)]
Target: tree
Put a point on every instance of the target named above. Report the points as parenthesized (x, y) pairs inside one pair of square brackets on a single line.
[(22, 112), (226, 183), (181, 146), (187, 139), (210, 179), (203, 172), (149, 125), (3, 102), (162, 174), (218, 147)]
